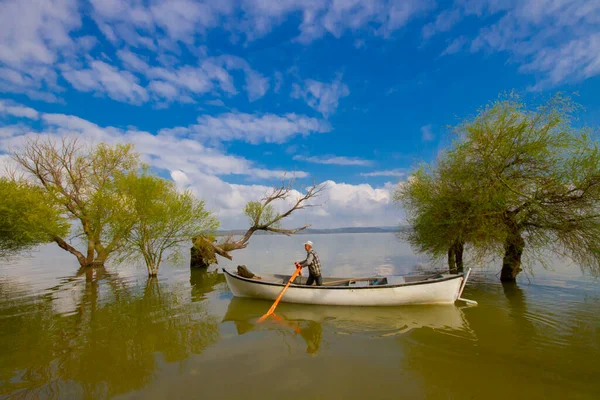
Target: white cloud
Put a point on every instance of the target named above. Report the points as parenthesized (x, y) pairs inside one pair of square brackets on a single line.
[(17, 110), (323, 97), (426, 133), (355, 205), (132, 61), (33, 32), (184, 20), (180, 178), (163, 151), (181, 19), (193, 165), (252, 128), (211, 76), (388, 172), (333, 17), (333, 160), (456, 45), (104, 78), (163, 89), (33, 36), (558, 41), (215, 102), (443, 23), (576, 60), (256, 85)]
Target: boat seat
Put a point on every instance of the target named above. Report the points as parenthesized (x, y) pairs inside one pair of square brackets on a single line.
[(378, 282), (396, 280), (418, 278)]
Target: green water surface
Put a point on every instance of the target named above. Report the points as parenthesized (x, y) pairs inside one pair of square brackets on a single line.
[(113, 333)]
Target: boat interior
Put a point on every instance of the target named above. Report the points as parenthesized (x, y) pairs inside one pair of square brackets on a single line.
[(351, 282)]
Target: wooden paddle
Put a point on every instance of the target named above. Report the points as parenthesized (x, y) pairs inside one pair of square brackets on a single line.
[(294, 275)]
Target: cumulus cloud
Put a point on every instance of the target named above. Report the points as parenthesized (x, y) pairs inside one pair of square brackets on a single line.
[(333, 160), (163, 150), (323, 97), (192, 164)]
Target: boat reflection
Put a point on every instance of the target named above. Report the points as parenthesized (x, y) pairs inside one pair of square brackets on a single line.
[(309, 320)]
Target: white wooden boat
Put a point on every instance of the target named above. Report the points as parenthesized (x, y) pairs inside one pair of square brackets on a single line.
[(376, 291)]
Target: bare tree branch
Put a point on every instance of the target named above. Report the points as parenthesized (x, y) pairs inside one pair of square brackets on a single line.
[(258, 213)]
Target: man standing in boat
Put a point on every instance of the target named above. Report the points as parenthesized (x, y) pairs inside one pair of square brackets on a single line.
[(313, 263)]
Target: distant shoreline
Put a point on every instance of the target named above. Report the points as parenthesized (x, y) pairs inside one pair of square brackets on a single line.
[(313, 231)]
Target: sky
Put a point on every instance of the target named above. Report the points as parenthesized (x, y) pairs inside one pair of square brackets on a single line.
[(227, 97)]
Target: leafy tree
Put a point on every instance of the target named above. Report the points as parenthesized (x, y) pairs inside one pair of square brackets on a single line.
[(538, 180), (27, 217), (447, 210), (79, 179), (164, 217)]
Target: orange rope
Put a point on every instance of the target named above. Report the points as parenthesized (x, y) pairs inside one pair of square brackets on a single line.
[(294, 275)]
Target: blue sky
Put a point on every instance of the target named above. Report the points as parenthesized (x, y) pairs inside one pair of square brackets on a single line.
[(225, 96)]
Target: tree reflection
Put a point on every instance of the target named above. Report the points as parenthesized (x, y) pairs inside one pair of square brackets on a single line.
[(203, 282), (111, 342), (517, 308)]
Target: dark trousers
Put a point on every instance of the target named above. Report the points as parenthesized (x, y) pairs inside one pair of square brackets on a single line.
[(312, 278)]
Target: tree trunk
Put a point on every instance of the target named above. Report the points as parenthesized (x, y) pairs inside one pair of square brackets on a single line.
[(459, 250), (91, 249), (66, 246), (511, 263), (198, 260), (452, 260), (455, 257), (100, 259), (152, 270)]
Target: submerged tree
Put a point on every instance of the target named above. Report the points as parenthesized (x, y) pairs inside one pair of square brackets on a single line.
[(79, 179), (27, 217), (262, 217), (164, 218), (446, 210), (538, 181)]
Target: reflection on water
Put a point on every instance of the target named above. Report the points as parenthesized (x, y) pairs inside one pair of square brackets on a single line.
[(371, 321), (113, 333), (111, 342)]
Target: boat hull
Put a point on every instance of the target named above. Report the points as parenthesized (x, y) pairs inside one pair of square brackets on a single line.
[(438, 291)]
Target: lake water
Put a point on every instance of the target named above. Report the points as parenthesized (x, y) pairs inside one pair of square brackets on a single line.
[(113, 333)]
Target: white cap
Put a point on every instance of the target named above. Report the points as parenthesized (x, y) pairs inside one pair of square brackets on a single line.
[(309, 243)]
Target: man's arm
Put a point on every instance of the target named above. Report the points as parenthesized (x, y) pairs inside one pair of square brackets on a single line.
[(308, 261)]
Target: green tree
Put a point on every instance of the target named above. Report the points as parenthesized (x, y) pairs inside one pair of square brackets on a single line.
[(537, 178), (27, 217), (80, 181), (165, 218), (447, 210)]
